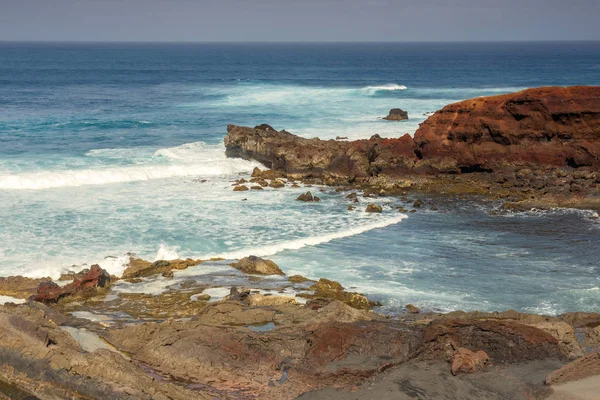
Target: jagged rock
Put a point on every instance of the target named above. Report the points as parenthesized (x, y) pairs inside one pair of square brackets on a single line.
[(308, 197), (467, 361), (50, 292), (240, 188), (396, 114), (257, 265), (373, 208), (334, 290)]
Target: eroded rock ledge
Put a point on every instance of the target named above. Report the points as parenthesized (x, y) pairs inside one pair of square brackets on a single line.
[(543, 142)]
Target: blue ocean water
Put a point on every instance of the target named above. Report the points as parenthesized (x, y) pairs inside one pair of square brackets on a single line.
[(107, 149)]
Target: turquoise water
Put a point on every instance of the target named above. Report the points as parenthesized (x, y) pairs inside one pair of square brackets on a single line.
[(111, 149)]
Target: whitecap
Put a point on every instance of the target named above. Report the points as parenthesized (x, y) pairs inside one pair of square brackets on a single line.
[(296, 244)]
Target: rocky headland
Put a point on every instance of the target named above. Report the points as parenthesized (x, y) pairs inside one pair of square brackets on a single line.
[(535, 148)]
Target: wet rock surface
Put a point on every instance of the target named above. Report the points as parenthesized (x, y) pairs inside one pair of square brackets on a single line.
[(396, 114)]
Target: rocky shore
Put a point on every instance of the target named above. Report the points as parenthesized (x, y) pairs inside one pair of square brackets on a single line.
[(243, 329), (536, 148), (226, 329)]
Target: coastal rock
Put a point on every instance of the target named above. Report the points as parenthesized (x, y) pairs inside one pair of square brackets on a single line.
[(50, 292), (19, 286), (139, 268), (257, 265), (334, 290), (373, 208), (43, 361), (467, 361), (550, 126), (276, 183), (298, 279), (72, 275), (240, 188), (505, 341), (412, 309), (586, 366), (396, 114), (308, 197)]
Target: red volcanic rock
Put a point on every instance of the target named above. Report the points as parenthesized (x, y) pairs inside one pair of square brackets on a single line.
[(505, 341), (465, 360), (550, 126), (50, 292)]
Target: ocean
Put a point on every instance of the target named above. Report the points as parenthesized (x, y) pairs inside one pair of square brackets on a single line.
[(113, 149)]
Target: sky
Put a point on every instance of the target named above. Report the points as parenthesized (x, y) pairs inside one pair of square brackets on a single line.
[(298, 20)]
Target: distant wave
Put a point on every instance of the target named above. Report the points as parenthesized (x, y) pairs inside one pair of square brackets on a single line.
[(392, 87), (192, 159), (296, 244)]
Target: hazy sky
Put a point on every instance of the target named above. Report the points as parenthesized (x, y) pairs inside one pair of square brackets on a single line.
[(299, 20)]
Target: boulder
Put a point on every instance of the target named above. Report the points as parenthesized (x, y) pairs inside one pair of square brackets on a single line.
[(467, 361), (373, 208), (334, 290), (240, 188), (276, 183), (308, 197), (257, 265), (396, 114)]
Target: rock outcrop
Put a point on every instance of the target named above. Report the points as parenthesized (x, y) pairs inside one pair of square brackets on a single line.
[(257, 265), (544, 141), (50, 292), (396, 114)]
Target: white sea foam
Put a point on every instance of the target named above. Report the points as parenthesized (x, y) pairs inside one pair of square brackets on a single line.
[(166, 252), (9, 299), (384, 88), (193, 159), (295, 244)]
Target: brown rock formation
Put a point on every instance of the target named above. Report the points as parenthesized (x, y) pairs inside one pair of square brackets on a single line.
[(257, 265), (138, 268), (465, 360), (550, 126), (586, 366), (19, 286), (50, 292), (396, 114)]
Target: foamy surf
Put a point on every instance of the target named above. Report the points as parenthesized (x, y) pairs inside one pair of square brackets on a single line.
[(296, 244), (192, 159), (392, 87)]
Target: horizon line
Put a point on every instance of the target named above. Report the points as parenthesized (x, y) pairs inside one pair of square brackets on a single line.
[(294, 41)]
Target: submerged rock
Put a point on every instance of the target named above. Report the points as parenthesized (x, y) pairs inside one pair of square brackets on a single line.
[(257, 265), (396, 114)]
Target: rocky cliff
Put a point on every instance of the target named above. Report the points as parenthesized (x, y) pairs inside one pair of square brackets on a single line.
[(551, 126)]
